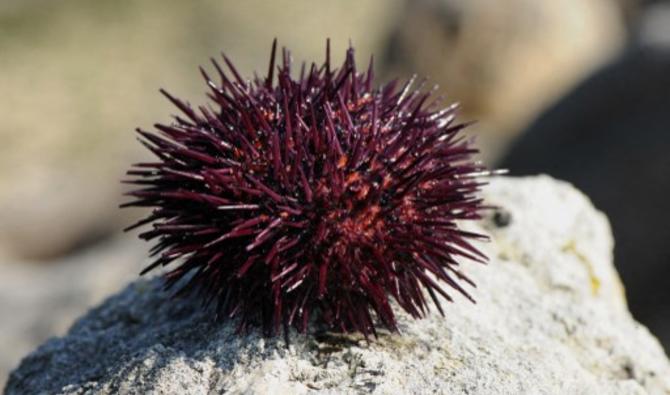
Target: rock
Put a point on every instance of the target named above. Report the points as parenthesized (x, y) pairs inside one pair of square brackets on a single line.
[(40, 301), (505, 61), (653, 27), (551, 318), (635, 10), (610, 138)]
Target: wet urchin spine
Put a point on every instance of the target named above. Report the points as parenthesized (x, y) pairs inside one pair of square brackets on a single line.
[(315, 196)]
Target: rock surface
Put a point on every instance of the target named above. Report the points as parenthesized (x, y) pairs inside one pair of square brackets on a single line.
[(551, 318), (618, 155), (38, 301)]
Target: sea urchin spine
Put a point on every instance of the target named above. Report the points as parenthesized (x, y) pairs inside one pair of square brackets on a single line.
[(320, 196)]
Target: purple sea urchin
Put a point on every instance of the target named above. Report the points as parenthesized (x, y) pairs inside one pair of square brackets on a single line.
[(320, 196)]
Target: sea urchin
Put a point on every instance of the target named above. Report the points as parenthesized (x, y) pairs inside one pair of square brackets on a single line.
[(318, 197)]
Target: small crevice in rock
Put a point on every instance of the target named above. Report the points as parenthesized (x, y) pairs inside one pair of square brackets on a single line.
[(502, 218)]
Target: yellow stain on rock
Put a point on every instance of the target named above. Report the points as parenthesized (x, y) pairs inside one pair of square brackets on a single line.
[(571, 247)]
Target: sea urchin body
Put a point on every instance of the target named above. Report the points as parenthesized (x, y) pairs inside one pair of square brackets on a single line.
[(318, 196)]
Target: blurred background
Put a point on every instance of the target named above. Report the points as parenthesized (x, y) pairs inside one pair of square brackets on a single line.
[(579, 89)]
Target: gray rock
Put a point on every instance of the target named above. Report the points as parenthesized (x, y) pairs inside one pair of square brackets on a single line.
[(38, 301), (551, 318)]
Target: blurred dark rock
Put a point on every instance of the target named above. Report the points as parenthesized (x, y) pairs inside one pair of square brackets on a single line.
[(504, 61), (654, 25), (611, 138), (634, 10)]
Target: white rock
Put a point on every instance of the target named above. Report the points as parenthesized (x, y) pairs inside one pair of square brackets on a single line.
[(551, 318)]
